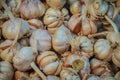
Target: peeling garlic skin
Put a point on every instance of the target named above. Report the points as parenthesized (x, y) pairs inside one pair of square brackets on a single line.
[(6, 71), (102, 49), (55, 18), (60, 40), (86, 69), (56, 4), (74, 23), (32, 9), (22, 60), (41, 39), (10, 29), (69, 74), (49, 63), (99, 69)]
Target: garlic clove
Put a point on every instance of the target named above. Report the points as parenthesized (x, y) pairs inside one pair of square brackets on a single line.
[(51, 68)]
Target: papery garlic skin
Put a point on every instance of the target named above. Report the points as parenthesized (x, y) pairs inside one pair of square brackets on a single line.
[(60, 40), (56, 4), (48, 61), (36, 23), (6, 71), (74, 23), (99, 68), (102, 49), (10, 29), (40, 39), (55, 18), (69, 74), (22, 60), (32, 9)]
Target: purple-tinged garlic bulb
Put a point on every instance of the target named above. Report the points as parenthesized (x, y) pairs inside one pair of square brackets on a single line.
[(60, 40), (50, 64), (6, 71), (30, 9), (23, 59), (69, 74), (56, 4), (55, 18), (40, 40)]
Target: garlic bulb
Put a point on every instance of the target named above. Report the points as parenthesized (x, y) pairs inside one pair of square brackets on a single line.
[(56, 4), (115, 57), (102, 49), (51, 77), (86, 46), (48, 61), (36, 23), (10, 29), (69, 58), (99, 68), (88, 27), (32, 9), (74, 23), (6, 71), (69, 74), (22, 60), (86, 67), (55, 18), (118, 5), (8, 52), (40, 40), (76, 7), (60, 40)]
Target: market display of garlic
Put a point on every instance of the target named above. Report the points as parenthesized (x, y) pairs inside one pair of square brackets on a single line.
[(6, 71), (50, 64), (32, 9), (59, 40), (55, 18)]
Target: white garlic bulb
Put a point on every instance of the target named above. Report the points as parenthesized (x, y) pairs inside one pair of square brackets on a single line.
[(23, 59), (60, 40), (40, 40)]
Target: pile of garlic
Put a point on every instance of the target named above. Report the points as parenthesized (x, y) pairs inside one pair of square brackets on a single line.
[(59, 40)]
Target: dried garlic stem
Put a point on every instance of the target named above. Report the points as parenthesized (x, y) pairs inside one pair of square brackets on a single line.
[(115, 27), (42, 76), (85, 77), (16, 38), (98, 34), (7, 9), (18, 6)]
